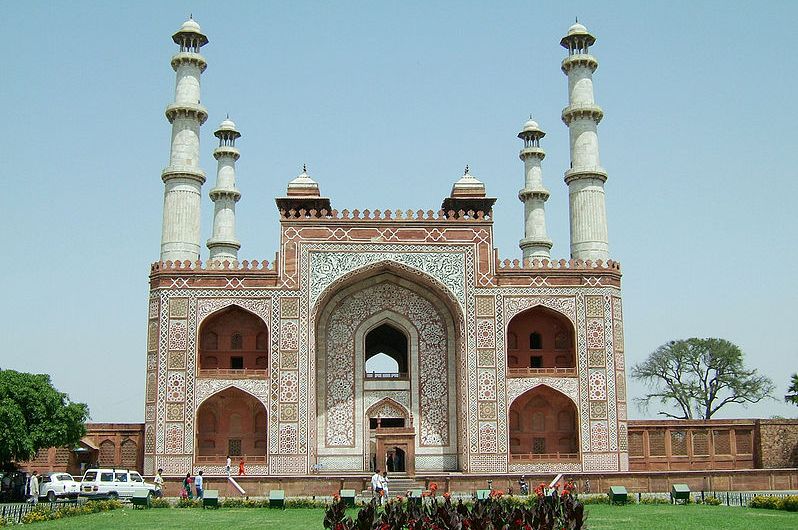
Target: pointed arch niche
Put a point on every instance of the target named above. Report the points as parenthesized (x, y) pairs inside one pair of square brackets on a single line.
[(543, 426), (540, 341), (387, 354), (233, 343), (231, 422)]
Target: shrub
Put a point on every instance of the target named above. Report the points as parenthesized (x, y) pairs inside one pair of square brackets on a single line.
[(160, 502), (712, 501), (766, 502), (44, 513), (655, 500), (545, 512), (790, 503), (303, 503), (189, 503)]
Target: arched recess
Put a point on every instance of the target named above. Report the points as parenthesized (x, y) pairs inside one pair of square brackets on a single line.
[(232, 422), (233, 338), (387, 352), (344, 398), (540, 340), (543, 425), (388, 409)]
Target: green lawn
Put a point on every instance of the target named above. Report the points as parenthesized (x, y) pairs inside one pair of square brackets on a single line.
[(600, 517)]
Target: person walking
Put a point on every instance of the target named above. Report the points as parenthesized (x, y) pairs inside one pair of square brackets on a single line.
[(229, 461), (158, 480), (385, 485), (241, 470), (33, 488), (376, 485), (198, 484)]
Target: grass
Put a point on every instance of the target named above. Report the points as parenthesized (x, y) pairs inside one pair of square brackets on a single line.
[(630, 517)]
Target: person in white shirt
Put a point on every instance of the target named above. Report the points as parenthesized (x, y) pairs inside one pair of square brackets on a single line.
[(385, 484), (376, 486), (33, 488), (158, 484), (198, 484), (228, 465)]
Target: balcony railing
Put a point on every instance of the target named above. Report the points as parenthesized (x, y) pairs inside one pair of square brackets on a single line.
[(536, 372), (372, 376), (537, 457), (232, 373), (222, 459)]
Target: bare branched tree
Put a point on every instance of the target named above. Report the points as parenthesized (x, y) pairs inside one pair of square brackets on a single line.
[(698, 377)]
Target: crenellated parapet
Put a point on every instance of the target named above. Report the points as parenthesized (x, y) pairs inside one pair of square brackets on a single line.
[(544, 264), (385, 215)]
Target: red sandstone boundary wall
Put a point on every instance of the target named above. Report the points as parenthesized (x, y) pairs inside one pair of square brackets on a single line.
[(643, 482)]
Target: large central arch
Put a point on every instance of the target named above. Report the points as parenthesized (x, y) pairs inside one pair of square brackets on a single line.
[(430, 391)]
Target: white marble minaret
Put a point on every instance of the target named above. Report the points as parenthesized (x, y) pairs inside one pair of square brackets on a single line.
[(536, 244), (183, 179), (586, 177), (223, 244)]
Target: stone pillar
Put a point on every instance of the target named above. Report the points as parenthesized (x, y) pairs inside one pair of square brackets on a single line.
[(586, 177), (183, 178)]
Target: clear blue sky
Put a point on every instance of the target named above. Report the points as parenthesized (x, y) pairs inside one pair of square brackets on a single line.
[(387, 102)]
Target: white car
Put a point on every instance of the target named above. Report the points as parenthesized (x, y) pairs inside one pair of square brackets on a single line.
[(113, 483), (56, 485)]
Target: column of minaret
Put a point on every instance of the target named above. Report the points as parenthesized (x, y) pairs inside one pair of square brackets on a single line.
[(585, 178), (223, 244), (183, 178)]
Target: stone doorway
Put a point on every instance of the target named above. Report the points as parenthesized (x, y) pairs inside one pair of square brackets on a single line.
[(395, 451)]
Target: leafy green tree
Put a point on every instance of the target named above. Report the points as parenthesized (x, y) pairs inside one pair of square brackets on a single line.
[(699, 376), (34, 415), (792, 396)]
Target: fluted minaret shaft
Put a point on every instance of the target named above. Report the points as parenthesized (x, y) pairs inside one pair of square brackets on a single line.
[(223, 244), (586, 177), (536, 243), (183, 178)]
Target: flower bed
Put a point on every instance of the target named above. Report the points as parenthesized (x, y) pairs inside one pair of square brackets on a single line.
[(546, 510)]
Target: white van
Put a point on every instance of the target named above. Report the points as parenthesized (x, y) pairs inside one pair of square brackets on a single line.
[(113, 483)]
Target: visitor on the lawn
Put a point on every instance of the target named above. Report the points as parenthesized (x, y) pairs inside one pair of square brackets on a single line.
[(158, 483), (198, 484), (186, 491), (376, 485)]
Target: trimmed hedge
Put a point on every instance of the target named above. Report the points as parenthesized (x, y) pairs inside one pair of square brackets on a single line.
[(44, 513), (788, 503)]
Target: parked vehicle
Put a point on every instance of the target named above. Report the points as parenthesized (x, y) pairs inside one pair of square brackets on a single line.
[(113, 483), (56, 485)]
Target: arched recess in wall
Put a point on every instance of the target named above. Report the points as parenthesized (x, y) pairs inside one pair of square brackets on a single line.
[(540, 339), (378, 282), (387, 352), (543, 425), (231, 422), (107, 454), (233, 339)]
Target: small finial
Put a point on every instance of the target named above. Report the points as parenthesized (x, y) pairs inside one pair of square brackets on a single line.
[(530, 115), (191, 16), (466, 170), (228, 116), (576, 19), (304, 168)]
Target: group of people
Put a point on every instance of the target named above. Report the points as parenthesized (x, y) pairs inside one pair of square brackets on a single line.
[(185, 493), (379, 485)]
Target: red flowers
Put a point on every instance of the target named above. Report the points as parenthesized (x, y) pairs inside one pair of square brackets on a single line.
[(433, 486)]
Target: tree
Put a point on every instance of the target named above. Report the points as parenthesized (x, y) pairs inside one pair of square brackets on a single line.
[(699, 376), (34, 415), (792, 396)]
